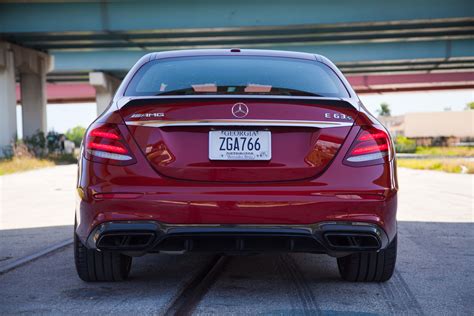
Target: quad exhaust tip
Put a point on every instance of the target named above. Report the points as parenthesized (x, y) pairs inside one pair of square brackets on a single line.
[(125, 241), (356, 241)]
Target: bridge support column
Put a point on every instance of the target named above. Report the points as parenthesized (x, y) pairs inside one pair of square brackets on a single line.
[(105, 87), (7, 97), (33, 100), (32, 66)]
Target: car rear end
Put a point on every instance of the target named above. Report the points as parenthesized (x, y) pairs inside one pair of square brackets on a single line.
[(237, 152)]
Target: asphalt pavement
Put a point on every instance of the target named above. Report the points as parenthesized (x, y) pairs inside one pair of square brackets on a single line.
[(433, 274)]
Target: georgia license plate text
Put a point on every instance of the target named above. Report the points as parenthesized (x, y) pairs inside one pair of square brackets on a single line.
[(239, 145)]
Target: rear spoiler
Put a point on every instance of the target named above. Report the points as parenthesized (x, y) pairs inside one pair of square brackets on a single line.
[(145, 100)]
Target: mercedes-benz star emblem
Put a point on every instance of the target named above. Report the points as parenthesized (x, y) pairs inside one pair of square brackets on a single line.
[(240, 110)]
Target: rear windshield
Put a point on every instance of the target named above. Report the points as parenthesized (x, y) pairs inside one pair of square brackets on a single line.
[(235, 75)]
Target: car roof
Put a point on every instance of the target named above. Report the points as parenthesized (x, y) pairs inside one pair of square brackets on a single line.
[(234, 52)]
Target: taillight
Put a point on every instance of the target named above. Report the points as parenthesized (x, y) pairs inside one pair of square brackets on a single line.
[(371, 147), (104, 143)]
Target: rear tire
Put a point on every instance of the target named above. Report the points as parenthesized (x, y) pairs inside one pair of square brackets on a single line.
[(369, 266), (97, 266)]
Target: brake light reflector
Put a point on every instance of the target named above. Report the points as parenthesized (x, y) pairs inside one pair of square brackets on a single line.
[(104, 143), (372, 146)]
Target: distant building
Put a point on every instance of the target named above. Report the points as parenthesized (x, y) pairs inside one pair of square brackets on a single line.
[(433, 128), (394, 124)]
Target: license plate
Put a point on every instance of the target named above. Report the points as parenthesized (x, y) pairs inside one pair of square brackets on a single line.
[(240, 145)]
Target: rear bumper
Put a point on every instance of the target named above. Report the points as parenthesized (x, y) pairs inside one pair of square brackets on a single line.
[(333, 238), (221, 207), (340, 195)]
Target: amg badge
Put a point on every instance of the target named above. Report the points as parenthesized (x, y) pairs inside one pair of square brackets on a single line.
[(147, 115)]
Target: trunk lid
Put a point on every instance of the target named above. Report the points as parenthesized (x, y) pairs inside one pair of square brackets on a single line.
[(174, 135)]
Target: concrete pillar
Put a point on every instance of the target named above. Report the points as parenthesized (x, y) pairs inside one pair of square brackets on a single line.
[(33, 101), (32, 67), (8, 129), (105, 87)]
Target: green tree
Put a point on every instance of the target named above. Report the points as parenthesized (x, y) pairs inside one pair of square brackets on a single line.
[(384, 109), (75, 135), (470, 106)]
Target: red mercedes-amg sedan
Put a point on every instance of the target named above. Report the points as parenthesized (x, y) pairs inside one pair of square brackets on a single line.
[(236, 152)]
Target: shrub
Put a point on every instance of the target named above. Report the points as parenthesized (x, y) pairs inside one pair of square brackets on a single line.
[(53, 142), (404, 145), (36, 144), (36, 151)]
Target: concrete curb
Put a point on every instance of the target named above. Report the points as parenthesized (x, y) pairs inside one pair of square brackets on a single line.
[(32, 257)]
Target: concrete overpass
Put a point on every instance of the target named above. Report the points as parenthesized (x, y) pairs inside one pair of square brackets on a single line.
[(381, 46)]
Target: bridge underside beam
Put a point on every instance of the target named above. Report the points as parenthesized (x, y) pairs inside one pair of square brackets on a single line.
[(115, 17), (252, 37), (383, 36), (351, 58)]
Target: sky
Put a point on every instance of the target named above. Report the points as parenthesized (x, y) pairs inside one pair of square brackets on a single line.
[(62, 117)]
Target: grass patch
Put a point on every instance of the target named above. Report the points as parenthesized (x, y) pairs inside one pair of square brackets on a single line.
[(446, 151), (446, 165), (13, 165)]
